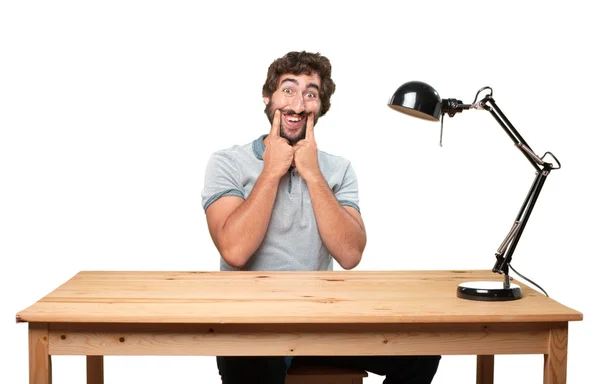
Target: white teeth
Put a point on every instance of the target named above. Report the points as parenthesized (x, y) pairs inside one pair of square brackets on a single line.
[(293, 118)]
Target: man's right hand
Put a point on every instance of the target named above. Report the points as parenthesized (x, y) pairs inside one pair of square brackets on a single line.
[(279, 154)]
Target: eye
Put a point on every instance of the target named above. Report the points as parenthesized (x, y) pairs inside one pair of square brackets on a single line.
[(287, 90), (311, 95)]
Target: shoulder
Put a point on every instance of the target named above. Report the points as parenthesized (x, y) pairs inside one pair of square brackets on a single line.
[(233, 154), (329, 162)]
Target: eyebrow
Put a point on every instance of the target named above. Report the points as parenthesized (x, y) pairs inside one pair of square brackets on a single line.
[(310, 85)]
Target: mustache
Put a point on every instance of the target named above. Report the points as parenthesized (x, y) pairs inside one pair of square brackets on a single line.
[(289, 111)]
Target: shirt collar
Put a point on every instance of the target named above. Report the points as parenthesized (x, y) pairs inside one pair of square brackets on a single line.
[(258, 147)]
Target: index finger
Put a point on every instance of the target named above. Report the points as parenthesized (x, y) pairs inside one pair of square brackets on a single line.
[(276, 126), (310, 127)]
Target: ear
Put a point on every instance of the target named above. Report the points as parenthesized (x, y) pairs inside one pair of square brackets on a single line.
[(266, 100)]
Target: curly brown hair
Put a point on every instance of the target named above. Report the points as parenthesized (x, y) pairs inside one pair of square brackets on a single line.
[(298, 63)]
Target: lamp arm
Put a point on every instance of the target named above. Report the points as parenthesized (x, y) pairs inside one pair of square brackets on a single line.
[(511, 131), (507, 248), (543, 169)]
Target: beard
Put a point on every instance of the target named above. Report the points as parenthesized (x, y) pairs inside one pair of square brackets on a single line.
[(270, 112)]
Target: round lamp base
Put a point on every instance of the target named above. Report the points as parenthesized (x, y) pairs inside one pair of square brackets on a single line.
[(488, 291)]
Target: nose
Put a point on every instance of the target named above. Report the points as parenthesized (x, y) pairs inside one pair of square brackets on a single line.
[(297, 103)]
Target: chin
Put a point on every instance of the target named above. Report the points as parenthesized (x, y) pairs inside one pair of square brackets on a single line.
[(294, 139)]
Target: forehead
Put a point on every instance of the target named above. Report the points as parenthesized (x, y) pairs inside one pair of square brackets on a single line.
[(303, 80)]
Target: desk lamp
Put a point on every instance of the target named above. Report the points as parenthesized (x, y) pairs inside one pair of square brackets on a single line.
[(420, 100)]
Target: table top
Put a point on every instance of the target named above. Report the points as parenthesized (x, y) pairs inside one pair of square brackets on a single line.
[(324, 297)]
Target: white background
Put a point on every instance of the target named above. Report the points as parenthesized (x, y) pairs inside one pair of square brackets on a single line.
[(109, 111)]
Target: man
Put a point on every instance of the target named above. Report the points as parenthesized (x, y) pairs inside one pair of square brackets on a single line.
[(278, 203)]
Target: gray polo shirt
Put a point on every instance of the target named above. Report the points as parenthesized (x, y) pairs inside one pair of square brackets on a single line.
[(292, 241)]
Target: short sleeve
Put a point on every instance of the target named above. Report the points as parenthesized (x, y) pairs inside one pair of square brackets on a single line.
[(222, 178), (347, 193)]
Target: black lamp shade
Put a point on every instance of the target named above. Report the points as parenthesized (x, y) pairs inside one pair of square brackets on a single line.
[(417, 99)]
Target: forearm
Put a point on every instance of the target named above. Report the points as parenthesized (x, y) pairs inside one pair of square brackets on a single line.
[(342, 234), (245, 229)]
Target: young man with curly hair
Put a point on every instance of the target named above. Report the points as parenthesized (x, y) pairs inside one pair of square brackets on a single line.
[(280, 204)]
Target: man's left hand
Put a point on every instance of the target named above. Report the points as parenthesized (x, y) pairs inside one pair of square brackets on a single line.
[(305, 153)]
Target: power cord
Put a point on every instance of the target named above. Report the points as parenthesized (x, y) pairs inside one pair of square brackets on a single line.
[(523, 277)]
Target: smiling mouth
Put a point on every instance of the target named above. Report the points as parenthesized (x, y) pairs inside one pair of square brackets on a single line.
[(294, 118), (294, 121)]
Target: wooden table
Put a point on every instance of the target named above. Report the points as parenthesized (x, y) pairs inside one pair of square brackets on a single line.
[(290, 313)]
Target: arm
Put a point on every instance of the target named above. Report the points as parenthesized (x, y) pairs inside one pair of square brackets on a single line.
[(341, 228), (238, 226)]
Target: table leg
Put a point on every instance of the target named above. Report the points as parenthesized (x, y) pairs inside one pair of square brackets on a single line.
[(485, 369), (40, 364), (555, 361), (95, 369)]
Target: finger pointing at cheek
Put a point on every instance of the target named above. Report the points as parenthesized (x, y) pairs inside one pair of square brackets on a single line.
[(310, 127), (275, 127)]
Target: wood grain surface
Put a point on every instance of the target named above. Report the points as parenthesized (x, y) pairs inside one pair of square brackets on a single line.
[(328, 297)]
